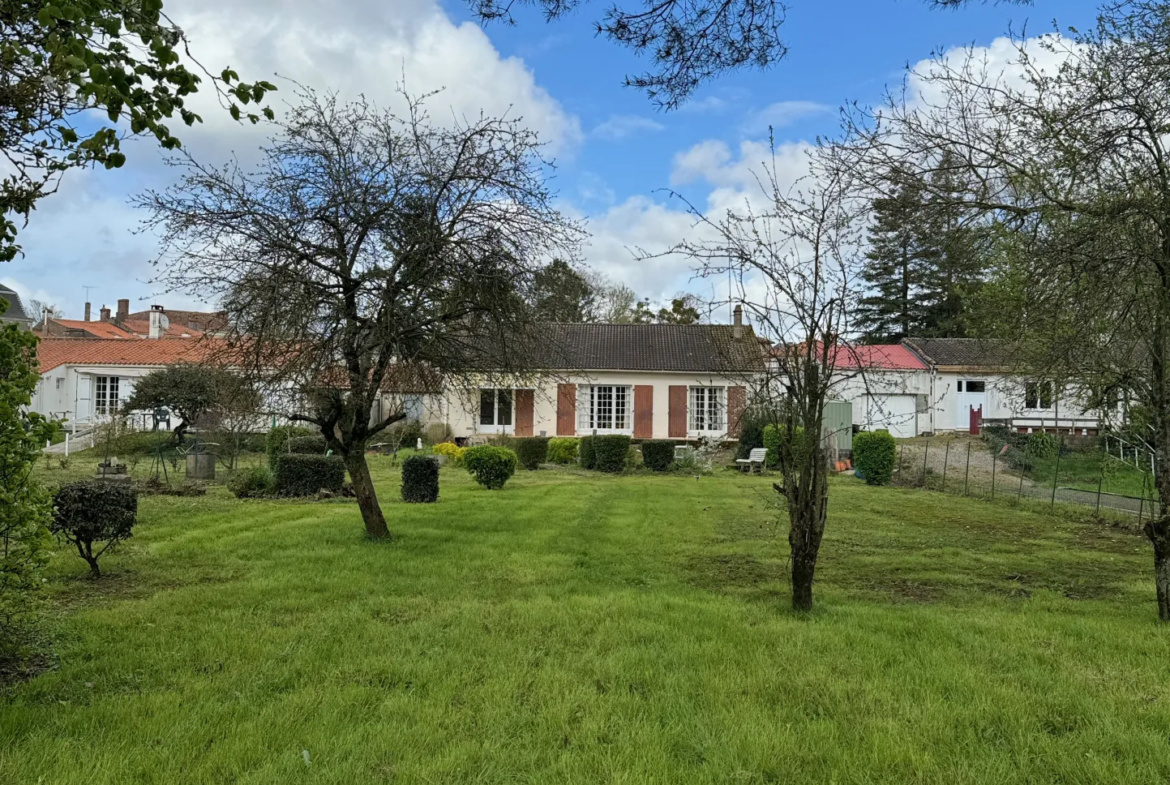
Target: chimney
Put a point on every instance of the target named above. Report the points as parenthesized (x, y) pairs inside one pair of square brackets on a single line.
[(87, 311), (158, 322), (104, 314), (737, 323), (123, 310)]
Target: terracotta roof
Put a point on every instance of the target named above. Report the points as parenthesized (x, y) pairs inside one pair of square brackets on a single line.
[(141, 327), (54, 352), (96, 329), (961, 352), (686, 348), (889, 357), (208, 321)]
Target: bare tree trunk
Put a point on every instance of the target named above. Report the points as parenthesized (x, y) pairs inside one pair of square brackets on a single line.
[(1158, 530), (804, 565), (367, 497)]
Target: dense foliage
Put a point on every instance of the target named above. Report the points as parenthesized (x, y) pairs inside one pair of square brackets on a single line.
[(276, 442), (307, 445), (587, 453), (254, 483), (751, 431), (490, 466), (610, 452), (451, 451), (562, 449), (191, 391), (875, 454), (93, 513), (658, 455), (306, 475), (420, 479), (532, 451)]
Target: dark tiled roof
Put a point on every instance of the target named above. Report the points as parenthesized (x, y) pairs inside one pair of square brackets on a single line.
[(703, 348), (962, 352), (15, 310)]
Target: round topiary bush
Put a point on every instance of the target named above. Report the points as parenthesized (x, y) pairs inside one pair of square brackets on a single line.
[(587, 455), (532, 451), (420, 479), (610, 452), (94, 512), (562, 449), (874, 455), (490, 466), (658, 455)]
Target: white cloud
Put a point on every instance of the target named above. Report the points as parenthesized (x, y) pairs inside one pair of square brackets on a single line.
[(621, 126), (781, 115)]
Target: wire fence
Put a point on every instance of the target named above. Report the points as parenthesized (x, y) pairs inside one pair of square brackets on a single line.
[(1059, 473)]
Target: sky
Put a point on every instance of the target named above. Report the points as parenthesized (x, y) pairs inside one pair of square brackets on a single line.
[(616, 154)]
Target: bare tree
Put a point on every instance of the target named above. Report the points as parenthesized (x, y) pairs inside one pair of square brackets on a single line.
[(366, 249), (1070, 159), (792, 260)]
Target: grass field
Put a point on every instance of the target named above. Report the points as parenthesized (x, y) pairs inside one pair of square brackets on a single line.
[(588, 629)]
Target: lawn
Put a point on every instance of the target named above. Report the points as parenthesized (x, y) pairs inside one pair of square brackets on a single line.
[(1083, 470), (587, 629)]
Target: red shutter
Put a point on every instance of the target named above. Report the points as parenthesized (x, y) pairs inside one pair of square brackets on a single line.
[(736, 403), (678, 411), (525, 405), (643, 411), (566, 410)]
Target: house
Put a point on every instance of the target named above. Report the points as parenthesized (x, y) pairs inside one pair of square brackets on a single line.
[(889, 387), (15, 312), (155, 323), (648, 381)]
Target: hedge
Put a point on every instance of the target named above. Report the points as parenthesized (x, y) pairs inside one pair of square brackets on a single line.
[(610, 452), (532, 451), (874, 455), (562, 449), (420, 479), (306, 445), (305, 475), (658, 455), (490, 466), (587, 455), (94, 511), (274, 442), (773, 439)]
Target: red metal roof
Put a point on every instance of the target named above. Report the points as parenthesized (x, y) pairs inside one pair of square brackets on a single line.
[(889, 357), (54, 352)]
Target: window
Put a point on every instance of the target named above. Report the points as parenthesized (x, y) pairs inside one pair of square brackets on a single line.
[(105, 395), (60, 382), (603, 408), (412, 405), (706, 410), (976, 387), (1038, 395), (959, 384), (495, 406)]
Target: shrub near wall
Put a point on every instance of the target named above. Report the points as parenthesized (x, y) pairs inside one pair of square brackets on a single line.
[(490, 466), (587, 454), (874, 454), (305, 475), (562, 449), (610, 453), (532, 451), (420, 480), (658, 455)]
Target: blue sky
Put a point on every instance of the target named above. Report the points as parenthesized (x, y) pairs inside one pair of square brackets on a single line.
[(615, 150)]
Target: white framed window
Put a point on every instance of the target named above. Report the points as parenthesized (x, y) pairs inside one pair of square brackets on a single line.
[(105, 399), (707, 410), (1038, 395), (495, 409), (604, 408)]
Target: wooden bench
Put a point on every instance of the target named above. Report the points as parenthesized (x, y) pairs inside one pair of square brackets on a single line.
[(756, 457)]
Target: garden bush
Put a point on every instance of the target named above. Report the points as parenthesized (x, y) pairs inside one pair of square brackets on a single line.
[(1042, 445), (562, 449), (874, 455), (307, 445), (587, 454), (420, 479), (491, 466), (274, 442), (94, 512), (658, 455), (254, 483), (452, 451), (532, 451), (751, 431), (774, 438), (305, 475), (610, 452)]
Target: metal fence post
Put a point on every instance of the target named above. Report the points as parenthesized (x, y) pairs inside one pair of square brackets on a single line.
[(946, 460), (925, 455), (994, 461), (901, 457), (1020, 492), (1056, 474), (967, 474), (1142, 503), (1101, 479)]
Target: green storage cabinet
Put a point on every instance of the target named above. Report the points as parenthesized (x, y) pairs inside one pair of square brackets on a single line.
[(838, 425)]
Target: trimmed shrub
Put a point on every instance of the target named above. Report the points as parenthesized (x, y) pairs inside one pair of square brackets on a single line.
[(587, 454), (307, 445), (420, 479), (305, 475), (452, 451), (751, 431), (254, 483), (562, 449), (532, 451), (490, 466), (274, 442), (874, 455), (94, 511), (658, 455), (609, 452), (773, 439)]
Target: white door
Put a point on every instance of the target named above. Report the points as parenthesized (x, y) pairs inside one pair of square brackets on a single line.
[(83, 409), (972, 394), (897, 414)]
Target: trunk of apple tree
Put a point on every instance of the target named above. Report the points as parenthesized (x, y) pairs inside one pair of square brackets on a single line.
[(367, 497)]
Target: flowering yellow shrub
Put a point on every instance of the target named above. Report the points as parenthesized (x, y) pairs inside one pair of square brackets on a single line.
[(452, 451)]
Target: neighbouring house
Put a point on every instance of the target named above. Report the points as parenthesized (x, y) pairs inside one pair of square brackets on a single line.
[(16, 312), (213, 323), (121, 325), (889, 387)]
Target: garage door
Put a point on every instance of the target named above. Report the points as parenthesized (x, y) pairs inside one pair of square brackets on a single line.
[(894, 413)]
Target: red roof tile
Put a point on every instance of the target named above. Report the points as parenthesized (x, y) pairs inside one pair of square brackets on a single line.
[(96, 329), (141, 327), (54, 352)]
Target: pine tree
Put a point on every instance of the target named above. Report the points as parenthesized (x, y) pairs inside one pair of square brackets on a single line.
[(893, 270)]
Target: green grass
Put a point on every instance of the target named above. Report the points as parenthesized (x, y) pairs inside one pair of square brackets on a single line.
[(588, 629), (1083, 470)]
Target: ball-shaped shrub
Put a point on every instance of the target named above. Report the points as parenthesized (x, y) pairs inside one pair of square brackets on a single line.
[(306, 475), (490, 466), (610, 452), (420, 479), (587, 454), (307, 445), (562, 449), (658, 455), (253, 483), (451, 451), (874, 455), (93, 512), (532, 451)]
